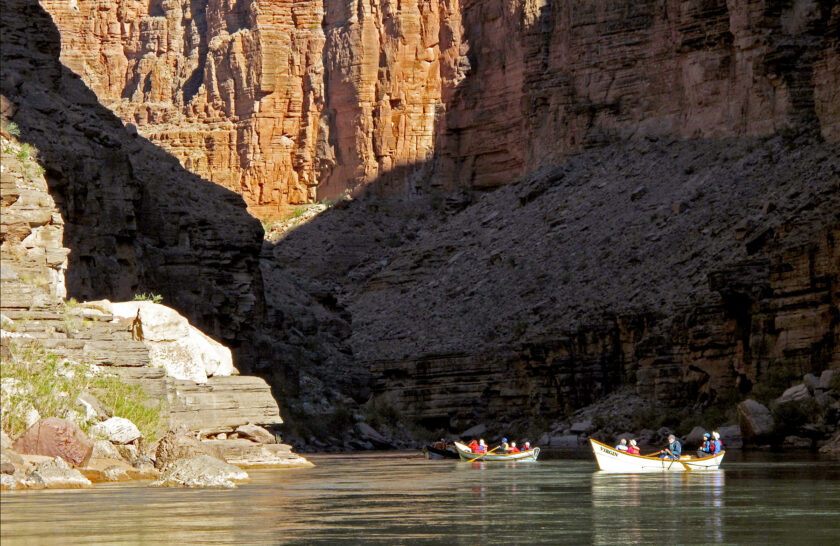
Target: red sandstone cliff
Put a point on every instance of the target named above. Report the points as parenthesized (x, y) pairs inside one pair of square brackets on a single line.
[(274, 99)]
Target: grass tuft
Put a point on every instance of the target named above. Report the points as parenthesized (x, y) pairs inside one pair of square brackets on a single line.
[(35, 378), (156, 298)]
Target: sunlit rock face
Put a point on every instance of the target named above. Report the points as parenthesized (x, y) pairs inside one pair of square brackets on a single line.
[(233, 89), (283, 101)]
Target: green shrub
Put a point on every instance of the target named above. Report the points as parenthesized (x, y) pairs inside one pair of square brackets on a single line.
[(36, 378), (13, 128), (156, 298), (25, 152)]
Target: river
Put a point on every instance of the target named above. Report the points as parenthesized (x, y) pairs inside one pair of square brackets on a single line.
[(755, 498)]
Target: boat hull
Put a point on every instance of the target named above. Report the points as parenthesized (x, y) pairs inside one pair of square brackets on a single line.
[(521, 457), (612, 460)]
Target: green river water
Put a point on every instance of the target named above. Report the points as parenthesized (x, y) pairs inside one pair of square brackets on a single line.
[(755, 499)]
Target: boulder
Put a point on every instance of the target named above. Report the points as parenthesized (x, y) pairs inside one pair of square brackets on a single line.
[(256, 433), (115, 473), (57, 474), (248, 454), (94, 410), (56, 437), (695, 437), (755, 420), (201, 471), (832, 446), (178, 445), (7, 467), (370, 434), (811, 381), (103, 449), (731, 437), (183, 350), (797, 442), (10, 457), (475, 432), (117, 430), (565, 441), (8, 482), (31, 416), (798, 393), (582, 427), (825, 379)]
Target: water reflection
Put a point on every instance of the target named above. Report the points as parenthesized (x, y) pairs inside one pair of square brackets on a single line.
[(397, 501), (628, 507)]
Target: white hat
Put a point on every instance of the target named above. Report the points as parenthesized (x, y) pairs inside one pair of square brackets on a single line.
[(716, 435), (632, 442)]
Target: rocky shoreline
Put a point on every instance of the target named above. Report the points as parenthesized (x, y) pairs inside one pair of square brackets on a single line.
[(89, 388)]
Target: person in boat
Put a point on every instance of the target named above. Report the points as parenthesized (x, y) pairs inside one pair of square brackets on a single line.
[(513, 448), (505, 447), (674, 449), (716, 444), (622, 445), (527, 446), (482, 447), (705, 446), (633, 449), (473, 446)]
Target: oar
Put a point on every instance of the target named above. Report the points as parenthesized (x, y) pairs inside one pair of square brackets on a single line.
[(485, 453)]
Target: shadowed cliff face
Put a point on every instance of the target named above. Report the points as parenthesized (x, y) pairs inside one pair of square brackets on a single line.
[(691, 270), (649, 226), (272, 99), (135, 220)]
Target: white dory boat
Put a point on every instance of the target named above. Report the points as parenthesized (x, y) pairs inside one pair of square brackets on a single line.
[(466, 454), (613, 460)]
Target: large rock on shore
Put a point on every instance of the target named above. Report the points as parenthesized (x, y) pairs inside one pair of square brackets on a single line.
[(117, 430), (174, 344), (832, 446), (56, 437), (178, 445), (57, 474), (248, 454), (755, 420), (201, 471)]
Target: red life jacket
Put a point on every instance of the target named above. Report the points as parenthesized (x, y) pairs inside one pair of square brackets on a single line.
[(473, 446), (514, 450), (633, 450)]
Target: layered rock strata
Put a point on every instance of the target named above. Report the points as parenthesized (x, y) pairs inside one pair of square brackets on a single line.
[(135, 220), (637, 264), (34, 312), (233, 89), (271, 99)]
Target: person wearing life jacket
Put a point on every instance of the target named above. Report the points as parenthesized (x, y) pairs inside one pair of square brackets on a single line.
[(674, 449), (633, 449), (527, 447), (716, 444), (513, 448), (622, 445), (482, 447), (706, 446), (505, 447), (473, 446)]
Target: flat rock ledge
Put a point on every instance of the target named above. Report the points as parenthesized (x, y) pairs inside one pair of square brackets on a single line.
[(248, 454), (201, 471)]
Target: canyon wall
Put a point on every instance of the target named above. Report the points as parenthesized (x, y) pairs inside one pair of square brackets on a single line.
[(134, 219), (285, 101), (233, 89)]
